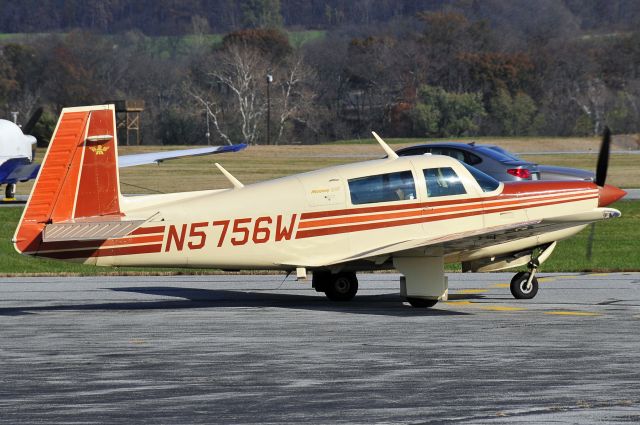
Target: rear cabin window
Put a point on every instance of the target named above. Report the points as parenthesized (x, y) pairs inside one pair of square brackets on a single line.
[(443, 182), (382, 188)]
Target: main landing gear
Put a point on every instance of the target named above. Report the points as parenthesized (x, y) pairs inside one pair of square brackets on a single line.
[(336, 286), (10, 191), (524, 285)]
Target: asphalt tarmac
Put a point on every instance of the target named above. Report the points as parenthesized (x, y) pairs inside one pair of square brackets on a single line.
[(257, 349)]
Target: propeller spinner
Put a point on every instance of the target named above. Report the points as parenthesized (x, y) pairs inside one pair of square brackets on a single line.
[(608, 194)]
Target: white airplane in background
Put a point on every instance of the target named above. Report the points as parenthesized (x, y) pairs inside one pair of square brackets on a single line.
[(413, 214), (17, 154)]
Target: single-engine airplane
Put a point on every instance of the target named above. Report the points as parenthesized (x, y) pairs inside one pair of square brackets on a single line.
[(17, 154), (409, 213)]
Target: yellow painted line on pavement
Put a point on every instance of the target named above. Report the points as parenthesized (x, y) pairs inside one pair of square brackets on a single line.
[(567, 277), (471, 291), (572, 313), (546, 279), (500, 285), (599, 274), (458, 302), (482, 306), (500, 308)]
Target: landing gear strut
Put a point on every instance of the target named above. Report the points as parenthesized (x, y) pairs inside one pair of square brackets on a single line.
[(10, 191), (524, 285), (336, 286)]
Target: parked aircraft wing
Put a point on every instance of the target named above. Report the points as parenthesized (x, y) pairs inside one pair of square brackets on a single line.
[(157, 157), (458, 242), (16, 170)]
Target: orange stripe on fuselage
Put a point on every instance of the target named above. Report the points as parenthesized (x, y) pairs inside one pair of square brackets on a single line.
[(457, 213), (147, 230), (512, 198), (110, 252), (74, 245), (419, 209)]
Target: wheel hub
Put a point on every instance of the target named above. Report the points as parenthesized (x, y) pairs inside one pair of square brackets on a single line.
[(342, 285)]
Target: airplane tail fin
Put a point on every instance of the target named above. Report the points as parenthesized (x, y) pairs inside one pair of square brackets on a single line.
[(78, 180)]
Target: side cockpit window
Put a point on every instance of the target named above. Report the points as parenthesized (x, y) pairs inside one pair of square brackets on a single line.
[(443, 182), (382, 188)]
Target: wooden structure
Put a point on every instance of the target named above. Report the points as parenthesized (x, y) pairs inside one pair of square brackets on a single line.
[(128, 120)]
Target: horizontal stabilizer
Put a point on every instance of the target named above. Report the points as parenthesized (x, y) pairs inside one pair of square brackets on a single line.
[(100, 229)]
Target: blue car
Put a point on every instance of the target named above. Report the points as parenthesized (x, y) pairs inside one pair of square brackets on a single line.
[(497, 162)]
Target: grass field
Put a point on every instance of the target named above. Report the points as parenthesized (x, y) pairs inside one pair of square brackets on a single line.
[(258, 163), (616, 244)]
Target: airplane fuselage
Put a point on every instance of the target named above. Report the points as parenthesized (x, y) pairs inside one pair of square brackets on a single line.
[(310, 219)]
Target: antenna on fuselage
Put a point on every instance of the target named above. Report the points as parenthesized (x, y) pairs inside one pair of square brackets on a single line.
[(234, 181), (390, 153)]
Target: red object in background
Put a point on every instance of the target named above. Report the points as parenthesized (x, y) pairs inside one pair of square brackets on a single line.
[(522, 173)]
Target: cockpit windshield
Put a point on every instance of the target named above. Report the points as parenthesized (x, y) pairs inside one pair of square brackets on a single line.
[(486, 182)]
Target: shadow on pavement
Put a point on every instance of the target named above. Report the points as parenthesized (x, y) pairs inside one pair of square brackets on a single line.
[(191, 298)]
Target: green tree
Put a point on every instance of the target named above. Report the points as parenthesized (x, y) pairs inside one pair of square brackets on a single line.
[(261, 13), (8, 83), (512, 115), (444, 114)]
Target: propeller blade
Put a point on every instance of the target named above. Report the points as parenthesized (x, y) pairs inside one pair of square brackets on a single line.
[(603, 158), (28, 127)]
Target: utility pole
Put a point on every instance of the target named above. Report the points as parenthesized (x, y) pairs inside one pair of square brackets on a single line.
[(269, 81), (208, 133)]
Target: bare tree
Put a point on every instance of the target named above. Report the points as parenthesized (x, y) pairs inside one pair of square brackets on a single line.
[(240, 70), (295, 97), (591, 96), (235, 98)]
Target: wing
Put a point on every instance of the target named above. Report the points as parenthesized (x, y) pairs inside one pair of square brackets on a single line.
[(17, 170), (485, 237), (157, 157)]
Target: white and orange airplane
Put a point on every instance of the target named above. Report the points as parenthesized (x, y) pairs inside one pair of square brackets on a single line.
[(413, 214)]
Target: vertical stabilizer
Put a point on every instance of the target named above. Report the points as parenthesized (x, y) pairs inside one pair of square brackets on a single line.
[(78, 178)]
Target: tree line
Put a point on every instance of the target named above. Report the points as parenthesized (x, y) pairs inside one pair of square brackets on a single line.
[(449, 72)]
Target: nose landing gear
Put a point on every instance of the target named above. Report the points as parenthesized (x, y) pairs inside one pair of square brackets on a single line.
[(524, 285)]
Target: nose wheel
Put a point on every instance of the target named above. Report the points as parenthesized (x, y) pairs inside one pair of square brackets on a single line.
[(524, 285)]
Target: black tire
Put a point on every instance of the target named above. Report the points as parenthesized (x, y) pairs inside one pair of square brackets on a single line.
[(518, 286), (341, 287), (320, 280), (421, 302), (10, 191)]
